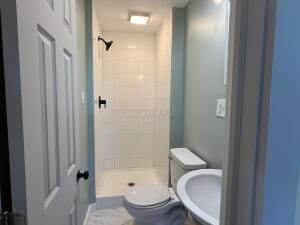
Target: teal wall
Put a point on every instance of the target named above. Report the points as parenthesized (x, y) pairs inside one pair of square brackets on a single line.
[(90, 97), (205, 39), (280, 203), (83, 157), (177, 69)]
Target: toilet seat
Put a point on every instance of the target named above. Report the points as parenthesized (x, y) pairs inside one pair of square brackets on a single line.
[(148, 196)]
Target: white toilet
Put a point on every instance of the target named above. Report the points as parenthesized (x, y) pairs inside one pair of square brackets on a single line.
[(158, 204)]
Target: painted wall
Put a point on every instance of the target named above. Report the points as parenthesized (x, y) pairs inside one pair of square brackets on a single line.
[(203, 132), (177, 72), (283, 154), (162, 97), (90, 97), (83, 157), (129, 87), (297, 210)]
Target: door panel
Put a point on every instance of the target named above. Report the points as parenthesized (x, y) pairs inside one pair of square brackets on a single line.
[(48, 53), (70, 108), (72, 215), (49, 112), (67, 14)]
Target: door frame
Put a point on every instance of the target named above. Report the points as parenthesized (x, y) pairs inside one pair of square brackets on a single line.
[(5, 187), (251, 42), (13, 105)]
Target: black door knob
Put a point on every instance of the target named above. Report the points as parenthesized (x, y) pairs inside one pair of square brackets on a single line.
[(85, 175)]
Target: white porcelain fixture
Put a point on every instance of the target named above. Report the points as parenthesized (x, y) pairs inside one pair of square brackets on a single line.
[(200, 193), (158, 204)]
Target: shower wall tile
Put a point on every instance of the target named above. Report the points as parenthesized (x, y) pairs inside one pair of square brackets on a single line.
[(129, 86), (111, 146), (146, 162), (132, 163), (146, 146), (148, 68), (149, 55), (149, 80), (109, 164), (162, 98), (148, 126), (120, 164), (146, 42)]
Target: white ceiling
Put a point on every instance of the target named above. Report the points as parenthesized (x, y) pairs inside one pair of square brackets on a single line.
[(114, 13)]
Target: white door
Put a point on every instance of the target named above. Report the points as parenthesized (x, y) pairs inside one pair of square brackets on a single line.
[(47, 53)]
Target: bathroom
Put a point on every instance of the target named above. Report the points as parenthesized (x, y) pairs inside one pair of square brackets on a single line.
[(138, 112), (156, 87)]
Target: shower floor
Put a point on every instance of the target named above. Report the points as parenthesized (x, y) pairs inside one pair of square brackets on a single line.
[(117, 182)]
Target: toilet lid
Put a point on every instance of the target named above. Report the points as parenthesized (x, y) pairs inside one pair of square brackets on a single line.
[(148, 195)]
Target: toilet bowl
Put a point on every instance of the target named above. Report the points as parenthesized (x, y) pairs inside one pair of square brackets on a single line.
[(156, 204)]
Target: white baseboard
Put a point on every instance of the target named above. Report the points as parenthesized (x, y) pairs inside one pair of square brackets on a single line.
[(87, 215)]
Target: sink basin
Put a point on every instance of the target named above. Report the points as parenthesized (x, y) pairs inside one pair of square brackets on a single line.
[(200, 193)]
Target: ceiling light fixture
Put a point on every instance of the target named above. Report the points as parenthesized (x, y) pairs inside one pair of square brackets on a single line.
[(218, 1), (139, 18)]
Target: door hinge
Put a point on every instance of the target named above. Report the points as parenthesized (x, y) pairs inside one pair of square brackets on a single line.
[(16, 218)]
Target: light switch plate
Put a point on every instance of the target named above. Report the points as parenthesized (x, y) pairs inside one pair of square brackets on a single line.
[(82, 98), (221, 108)]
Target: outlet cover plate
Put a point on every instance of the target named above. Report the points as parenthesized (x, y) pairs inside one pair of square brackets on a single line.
[(221, 108)]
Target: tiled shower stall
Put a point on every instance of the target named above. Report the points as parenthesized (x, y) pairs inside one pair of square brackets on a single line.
[(133, 130), (129, 74)]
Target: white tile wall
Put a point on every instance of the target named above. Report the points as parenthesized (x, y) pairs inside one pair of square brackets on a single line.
[(129, 85), (162, 98), (97, 79)]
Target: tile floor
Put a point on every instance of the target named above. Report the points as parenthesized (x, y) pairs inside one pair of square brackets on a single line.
[(115, 182), (117, 216)]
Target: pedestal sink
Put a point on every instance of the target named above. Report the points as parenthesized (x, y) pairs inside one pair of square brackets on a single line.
[(200, 193)]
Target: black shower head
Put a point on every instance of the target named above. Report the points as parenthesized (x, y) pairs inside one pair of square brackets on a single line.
[(108, 44)]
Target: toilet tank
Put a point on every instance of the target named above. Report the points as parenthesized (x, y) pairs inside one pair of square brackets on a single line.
[(182, 161)]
